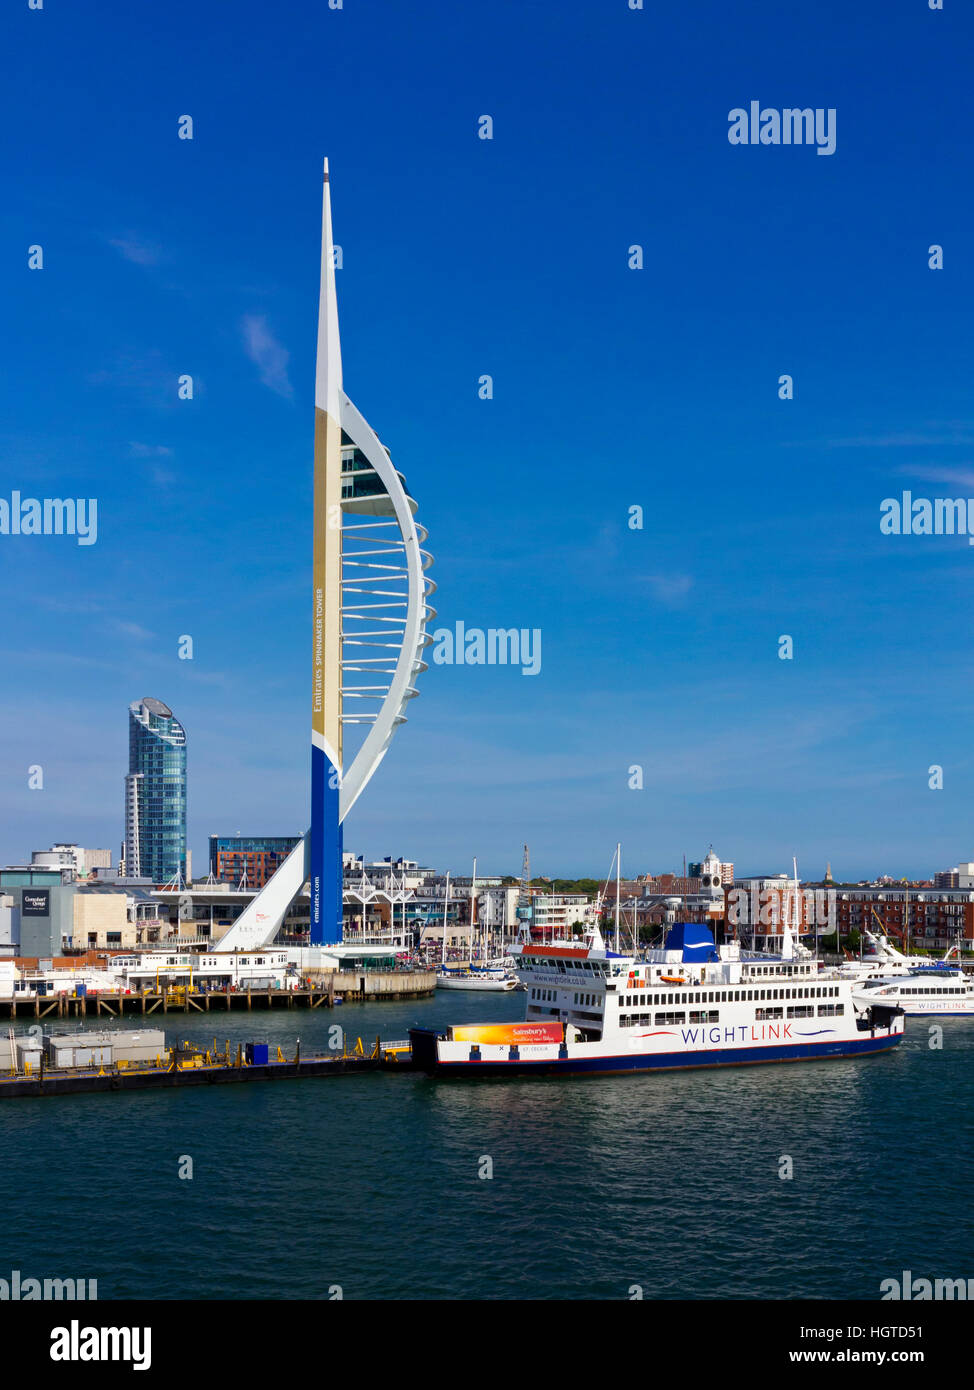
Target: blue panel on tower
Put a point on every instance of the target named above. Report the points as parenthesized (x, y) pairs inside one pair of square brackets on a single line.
[(326, 853)]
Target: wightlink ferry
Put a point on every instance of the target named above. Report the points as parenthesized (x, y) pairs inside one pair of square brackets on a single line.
[(689, 1004)]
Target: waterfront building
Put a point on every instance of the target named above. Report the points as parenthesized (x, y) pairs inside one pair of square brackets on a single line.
[(248, 860), (927, 918), (155, 793), (759, 909), (102, 917), (42, 910), (559, 916), (960, 876), (497, 908), (711, 870), (83, 861), (9, 924)]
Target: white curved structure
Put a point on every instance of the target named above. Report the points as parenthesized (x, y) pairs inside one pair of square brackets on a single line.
[(380, 565)]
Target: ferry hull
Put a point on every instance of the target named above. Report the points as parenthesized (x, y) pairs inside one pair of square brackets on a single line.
[(484, 985), (426, 1056)]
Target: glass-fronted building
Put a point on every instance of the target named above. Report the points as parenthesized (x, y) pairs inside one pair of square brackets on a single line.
[(155, 793), (247, 859)]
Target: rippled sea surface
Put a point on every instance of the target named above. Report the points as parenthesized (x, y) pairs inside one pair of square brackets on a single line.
[(373, 1183)]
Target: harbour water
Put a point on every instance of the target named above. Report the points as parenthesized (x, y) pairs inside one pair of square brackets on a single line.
[(371, 1184)]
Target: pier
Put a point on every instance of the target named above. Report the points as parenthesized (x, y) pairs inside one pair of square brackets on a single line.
[(350, 986), (186, 1065)]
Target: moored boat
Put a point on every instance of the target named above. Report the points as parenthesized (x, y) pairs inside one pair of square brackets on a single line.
[(470, 978), (927, 990), (593, 1010)]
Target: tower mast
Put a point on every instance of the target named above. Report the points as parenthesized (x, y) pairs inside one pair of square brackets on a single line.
[(326, 649)]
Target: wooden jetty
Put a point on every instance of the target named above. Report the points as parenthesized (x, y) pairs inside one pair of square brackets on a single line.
[(352, 987)]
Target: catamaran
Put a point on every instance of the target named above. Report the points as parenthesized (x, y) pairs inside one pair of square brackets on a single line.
[(688, 1004), (927, 989)]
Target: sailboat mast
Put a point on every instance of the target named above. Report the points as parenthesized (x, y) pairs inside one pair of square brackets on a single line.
[(473, 901), (446, 904), (798, 925), (618, 884)]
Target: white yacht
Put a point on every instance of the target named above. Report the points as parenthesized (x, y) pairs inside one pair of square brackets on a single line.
[(881, 960), (484, 978)]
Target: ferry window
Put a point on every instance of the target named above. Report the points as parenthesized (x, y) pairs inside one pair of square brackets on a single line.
[(801, 1011)]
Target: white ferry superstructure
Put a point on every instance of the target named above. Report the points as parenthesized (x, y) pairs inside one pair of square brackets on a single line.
[(688, 1005)]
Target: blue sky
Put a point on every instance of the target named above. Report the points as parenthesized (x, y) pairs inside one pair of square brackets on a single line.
[(612, 388)]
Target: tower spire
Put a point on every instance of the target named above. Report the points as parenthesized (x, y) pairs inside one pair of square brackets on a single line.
[(328, 368), (326, 604)]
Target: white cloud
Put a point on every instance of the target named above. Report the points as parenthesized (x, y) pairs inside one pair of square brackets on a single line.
[(267, 354), (139, 252), (670, 588), (138, 450), (962, 477)]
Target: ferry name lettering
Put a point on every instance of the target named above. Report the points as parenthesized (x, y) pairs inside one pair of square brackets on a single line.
[(748, 1033)]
